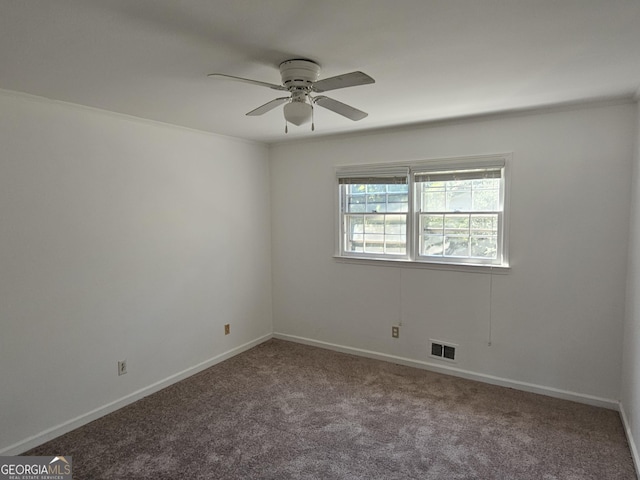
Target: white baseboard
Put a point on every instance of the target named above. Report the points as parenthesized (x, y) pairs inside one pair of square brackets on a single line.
[(46, 435), (630, 440), (51, 433), (457, 372)]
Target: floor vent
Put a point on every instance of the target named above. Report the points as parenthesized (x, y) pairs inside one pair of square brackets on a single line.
[(442, 350)]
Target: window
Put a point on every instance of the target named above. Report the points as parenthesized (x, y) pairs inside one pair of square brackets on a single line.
[(459, 214), (375, 212), (448, 212)]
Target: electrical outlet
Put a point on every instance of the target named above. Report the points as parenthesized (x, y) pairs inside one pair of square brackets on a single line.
[(395, 331), (122, 367), (227, 329)]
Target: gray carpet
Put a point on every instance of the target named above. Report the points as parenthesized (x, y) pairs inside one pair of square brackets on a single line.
[(288, 411)]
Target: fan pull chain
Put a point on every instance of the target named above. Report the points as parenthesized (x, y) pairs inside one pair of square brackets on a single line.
[(313, 124), (286, 127)]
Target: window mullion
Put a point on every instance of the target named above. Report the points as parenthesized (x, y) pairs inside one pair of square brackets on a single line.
[(469, 228), (411, 220)]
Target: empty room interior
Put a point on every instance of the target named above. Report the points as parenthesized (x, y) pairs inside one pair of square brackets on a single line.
[(336, 239)]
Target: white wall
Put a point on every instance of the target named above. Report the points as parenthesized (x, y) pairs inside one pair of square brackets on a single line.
[(120, 239), (557, 317), (630, 394)]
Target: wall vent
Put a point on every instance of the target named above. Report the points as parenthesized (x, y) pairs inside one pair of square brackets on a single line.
[(443, 350)]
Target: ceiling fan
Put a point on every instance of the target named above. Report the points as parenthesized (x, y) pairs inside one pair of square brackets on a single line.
[(300, 79)]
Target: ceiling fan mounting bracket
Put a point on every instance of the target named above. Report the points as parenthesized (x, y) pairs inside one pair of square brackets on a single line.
[(298, 73)]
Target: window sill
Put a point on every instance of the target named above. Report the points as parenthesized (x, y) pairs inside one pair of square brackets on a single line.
[(385, 262)]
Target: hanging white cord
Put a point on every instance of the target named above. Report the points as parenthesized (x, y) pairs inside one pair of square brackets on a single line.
[(490, 303), (400, 300)]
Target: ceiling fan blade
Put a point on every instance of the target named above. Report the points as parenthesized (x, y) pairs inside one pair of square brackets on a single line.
[(340, 108), (248, 80), (268, 106), (342, 81)]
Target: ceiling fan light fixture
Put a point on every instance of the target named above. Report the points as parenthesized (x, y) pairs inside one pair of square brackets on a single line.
[(297, 112)]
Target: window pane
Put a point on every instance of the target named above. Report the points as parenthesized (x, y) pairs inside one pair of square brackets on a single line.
[(357, 208), (356, 203), (434, 201), (359, 188), (382, 227), (456, 224), (435, 185), (459, 196), (395, 225), (433, 245), (395, 228), (374, 224), (400, 188), (395, 244), (379, 198), (463, 235), (484, 247), (432, 224), (375, 199), (354, 233), (372, 246), (456, 246), (484, 222), (486, 194), (374, 234), (376, 203), (486, 183), (460, 235), (398, 202), (380, 234), (484, 227)]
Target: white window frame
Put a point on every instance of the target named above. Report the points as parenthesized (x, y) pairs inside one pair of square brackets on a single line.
[(372, 172), (410, 169)]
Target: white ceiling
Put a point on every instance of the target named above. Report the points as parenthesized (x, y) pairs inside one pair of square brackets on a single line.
[(431, 59)]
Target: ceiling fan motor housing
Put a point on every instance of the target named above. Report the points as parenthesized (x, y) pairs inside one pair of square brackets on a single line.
[(299, 73)]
